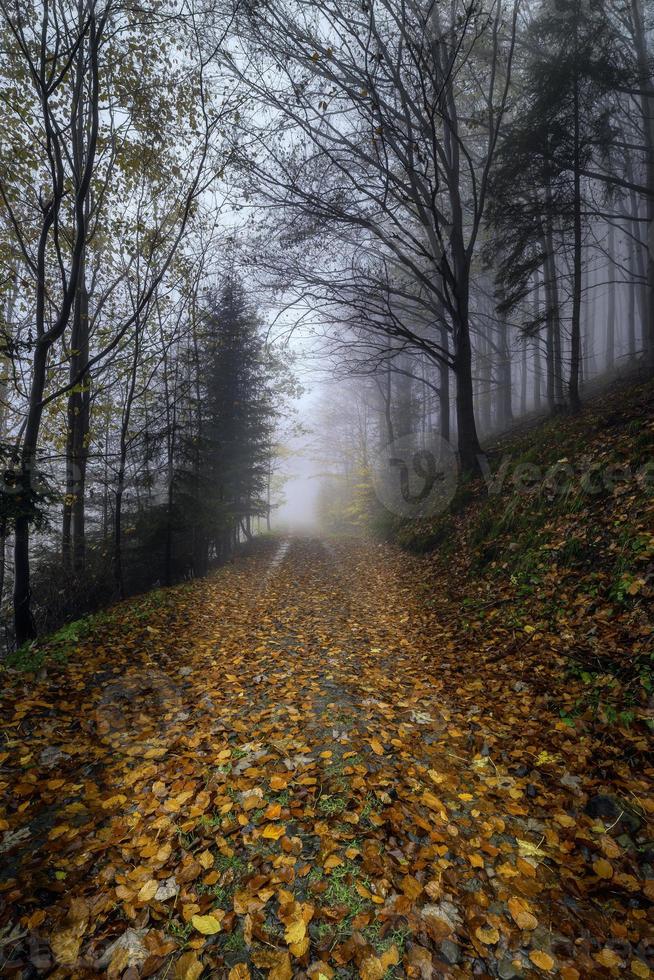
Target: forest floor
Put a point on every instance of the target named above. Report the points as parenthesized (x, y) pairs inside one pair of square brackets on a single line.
[(335, 759)]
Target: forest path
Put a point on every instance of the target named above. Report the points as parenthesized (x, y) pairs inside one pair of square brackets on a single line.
[(293, 768)]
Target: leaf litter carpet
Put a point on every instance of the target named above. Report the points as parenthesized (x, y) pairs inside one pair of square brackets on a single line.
[(296, 768)]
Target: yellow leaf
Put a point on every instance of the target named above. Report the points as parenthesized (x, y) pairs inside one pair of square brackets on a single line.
[(608, 957), (527, 849), (208, 925), (487, 935), (282, 969), (113, 801), (206, 859), (376, 746), (65, 946), (602, 868), (639, 969), (58, 831), (295, 932), (239, 972), (542, 960), (273, 831), (299, 949), (148, 890), (391, 957), (371, 968)]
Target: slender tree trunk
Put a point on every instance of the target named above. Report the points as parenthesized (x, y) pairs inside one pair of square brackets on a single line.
[(647, 110), (610, 306), (484, 384), (575, 328), (23, 618), (632, 290), (444, 387), (470, 452), (505, 393), (387, 397), (638, 259), (119, 578), (78, 420), (553, 327), (537, 364), (4, 382)]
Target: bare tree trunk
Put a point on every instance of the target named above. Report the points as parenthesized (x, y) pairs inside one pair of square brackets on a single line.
[(575, 327), (537, 363), (553, 327), (119, 578), (444, 388), (632, 290), (610, 306), (484, 384), (638, 258), (470, 453), (23, 619), (505, 386), (4, 382), (78, 420), (647, 110)]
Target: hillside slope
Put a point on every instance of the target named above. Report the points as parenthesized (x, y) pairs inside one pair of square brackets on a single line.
[(554, 550)]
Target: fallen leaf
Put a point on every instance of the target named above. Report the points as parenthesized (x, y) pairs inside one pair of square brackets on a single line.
[(521, 913), (188, 967), (542, 960), (208, 925)]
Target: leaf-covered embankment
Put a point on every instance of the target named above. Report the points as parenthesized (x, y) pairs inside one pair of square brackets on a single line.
[(550, 560)]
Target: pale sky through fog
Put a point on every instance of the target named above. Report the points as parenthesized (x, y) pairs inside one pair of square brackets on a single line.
[(297, 512)]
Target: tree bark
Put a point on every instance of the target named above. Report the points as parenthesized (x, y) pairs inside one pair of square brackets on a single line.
[(78, 419), (537, 363), (610, 306), (575, 327), (647, 111)]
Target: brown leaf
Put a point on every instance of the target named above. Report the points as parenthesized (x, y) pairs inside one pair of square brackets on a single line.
[(188, 967)]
